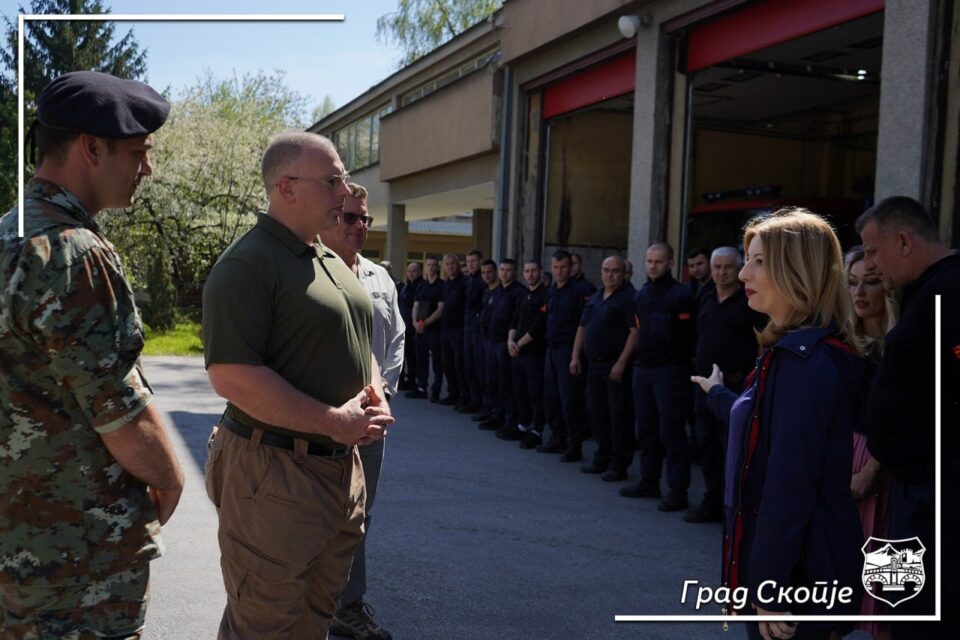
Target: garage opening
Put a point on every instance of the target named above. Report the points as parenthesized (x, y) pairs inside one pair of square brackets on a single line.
[(790, 124), (588, 119)]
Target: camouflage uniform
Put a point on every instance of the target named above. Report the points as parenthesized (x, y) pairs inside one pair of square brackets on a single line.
[(76, 530)]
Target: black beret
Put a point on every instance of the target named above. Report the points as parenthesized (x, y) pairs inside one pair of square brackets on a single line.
[(102, 105)]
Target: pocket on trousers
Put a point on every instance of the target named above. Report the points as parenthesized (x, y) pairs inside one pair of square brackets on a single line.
[(211, 470), (245, 557)]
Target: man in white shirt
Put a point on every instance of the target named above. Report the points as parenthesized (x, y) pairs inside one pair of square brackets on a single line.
[(346, 239)]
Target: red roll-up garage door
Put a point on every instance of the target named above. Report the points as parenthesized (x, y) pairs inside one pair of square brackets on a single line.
[(768, 23), (608, 79)]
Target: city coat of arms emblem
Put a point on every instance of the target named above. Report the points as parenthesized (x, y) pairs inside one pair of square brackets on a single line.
[(893, 569)]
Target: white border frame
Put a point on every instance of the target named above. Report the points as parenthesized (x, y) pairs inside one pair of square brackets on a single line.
[(22, 18), (109, 17)]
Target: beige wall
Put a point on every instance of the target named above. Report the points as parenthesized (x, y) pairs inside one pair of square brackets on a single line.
[(589, 180), (530, 24), (828, 166), (455, 123), (434, 244), (460, 175)]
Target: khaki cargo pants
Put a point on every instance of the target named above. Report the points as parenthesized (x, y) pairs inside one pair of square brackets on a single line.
[(289, 525)]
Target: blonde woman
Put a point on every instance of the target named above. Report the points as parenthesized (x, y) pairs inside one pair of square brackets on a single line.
[(874, 314), (790, 519)]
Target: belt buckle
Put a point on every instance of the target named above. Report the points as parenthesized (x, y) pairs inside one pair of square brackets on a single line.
[(337, 454)]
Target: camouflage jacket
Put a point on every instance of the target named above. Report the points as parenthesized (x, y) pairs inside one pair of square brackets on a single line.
[(70, 337)]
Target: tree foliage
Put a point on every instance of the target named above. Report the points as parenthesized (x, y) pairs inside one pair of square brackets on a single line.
[(419, 26), (324, 109), (8, 144), (52, 49), (206, 187)]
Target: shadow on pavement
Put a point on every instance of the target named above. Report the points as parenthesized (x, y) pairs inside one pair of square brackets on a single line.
[(195, 429)]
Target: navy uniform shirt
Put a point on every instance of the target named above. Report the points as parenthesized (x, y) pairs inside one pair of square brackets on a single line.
[(564, 308), (454, 298), (473, 303), (588, 286), (902, 401), (607, 323), (489, 301), (530, 317), (503, 308), (666, 311), (429, 295), (700, 290), (725, 333), (405, 301)]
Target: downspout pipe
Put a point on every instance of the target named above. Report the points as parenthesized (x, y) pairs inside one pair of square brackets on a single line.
[(503, 178)]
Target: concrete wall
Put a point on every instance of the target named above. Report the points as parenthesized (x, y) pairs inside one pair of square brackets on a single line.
[(459, 175), (530, 24), (433, 244), (454, 123), (906, 92), (840, 163)]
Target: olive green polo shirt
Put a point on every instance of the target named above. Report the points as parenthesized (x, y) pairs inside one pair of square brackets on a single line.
[(273, 301)]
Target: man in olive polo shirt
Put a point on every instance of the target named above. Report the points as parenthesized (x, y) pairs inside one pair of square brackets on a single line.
[(287, 332)]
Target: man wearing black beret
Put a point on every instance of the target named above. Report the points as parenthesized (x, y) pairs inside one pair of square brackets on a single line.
[(87, 475)]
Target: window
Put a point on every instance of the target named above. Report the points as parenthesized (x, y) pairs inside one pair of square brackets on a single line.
[(359, 142), (426, 89)]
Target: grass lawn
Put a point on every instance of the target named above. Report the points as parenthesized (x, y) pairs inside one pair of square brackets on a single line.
[(182, 340)]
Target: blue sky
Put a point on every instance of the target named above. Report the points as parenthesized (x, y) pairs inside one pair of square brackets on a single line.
[(340, 59)]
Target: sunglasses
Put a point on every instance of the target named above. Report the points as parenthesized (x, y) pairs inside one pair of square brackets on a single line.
[(350, 219)]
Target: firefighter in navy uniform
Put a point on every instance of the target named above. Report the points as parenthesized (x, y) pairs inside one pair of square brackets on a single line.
[(607, 334), (666, 311), (472, 393), (563, 393), (527, 345), (405, 299), (451, 328), (505, 302), (427, 309), (488, 415)]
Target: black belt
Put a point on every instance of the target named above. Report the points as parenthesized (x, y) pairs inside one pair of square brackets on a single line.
[(283, 442)]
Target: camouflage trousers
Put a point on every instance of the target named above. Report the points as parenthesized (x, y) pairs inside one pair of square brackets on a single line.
[(113, 607)]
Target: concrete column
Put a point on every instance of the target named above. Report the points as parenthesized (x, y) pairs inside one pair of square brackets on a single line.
[(907, 102), (483, 231), (397, 238), (651, 127)]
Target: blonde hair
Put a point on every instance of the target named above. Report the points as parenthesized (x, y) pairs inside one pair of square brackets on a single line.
[(891, 311), (803, 260)]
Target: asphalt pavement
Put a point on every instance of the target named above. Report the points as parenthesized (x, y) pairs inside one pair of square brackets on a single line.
[(472, 537)]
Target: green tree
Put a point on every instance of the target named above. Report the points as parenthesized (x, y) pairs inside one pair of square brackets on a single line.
[(420, 26), (324, 109), (52, 48), (206, 187), (8, 144)]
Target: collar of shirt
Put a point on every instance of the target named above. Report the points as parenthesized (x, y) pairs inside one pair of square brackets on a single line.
[(39, 189), (802, 341), (365, 268), (289, 239), (666, 280), (943, 263)]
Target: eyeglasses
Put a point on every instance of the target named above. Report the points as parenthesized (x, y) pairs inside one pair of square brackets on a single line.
[(332, 181), (351, 219)]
